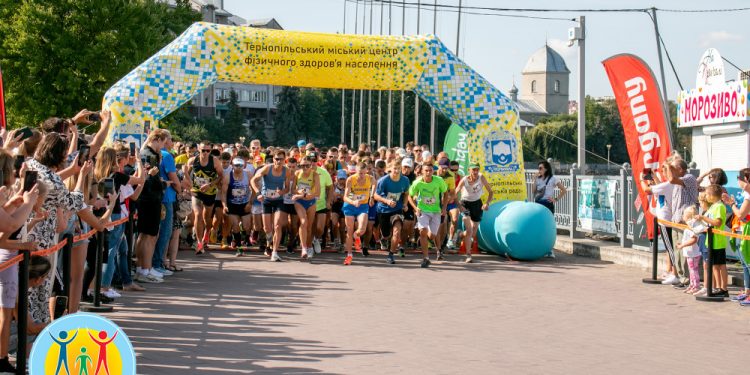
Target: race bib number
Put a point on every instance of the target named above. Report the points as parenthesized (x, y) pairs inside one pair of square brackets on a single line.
[(394, 196), (303, 188), (200, 181), (239, 193), (429, 200), (271, 194), (358, 197)]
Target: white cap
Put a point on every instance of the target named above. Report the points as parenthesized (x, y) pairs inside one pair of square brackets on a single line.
[(401, 152), (407, 162), (238, 162), (426, 155)]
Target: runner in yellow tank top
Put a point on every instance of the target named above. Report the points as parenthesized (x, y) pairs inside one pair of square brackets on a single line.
[(307, 187), (360, 188), (357, 201)]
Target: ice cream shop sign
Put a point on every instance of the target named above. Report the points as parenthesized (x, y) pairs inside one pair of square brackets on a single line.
[(713, 101)]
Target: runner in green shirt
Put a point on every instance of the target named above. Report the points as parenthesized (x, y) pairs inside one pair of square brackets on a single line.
[(426, 195)]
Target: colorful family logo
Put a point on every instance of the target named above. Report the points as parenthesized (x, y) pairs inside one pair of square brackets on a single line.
[(82, 344)]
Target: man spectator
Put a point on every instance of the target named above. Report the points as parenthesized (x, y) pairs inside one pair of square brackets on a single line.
[(168, 174), (684, 195)]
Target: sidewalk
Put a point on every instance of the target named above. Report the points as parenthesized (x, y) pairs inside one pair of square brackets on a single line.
[(570, 315)]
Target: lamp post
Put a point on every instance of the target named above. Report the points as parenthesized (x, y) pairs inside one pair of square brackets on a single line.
[(609, 147)]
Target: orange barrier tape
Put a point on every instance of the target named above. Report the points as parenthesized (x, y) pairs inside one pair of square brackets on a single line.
[(45, 252), (714, 230)]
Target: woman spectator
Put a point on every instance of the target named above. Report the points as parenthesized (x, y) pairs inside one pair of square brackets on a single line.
[(544, 188), (715, 176), (49, 159), (109, 165), (743, 213)]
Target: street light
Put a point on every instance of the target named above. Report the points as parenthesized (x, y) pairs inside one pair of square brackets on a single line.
[(242, 140), (609, 147)]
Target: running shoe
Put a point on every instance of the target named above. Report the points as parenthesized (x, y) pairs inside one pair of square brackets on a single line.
[(721, 293), (383, 244), (224, 245), (212, 238), (348, 260), (358, 243), (310, 253), (390, 258), (6, 367), (401, 252), (111, 293), (746, 302), (290, 249), (425, 263), (156, 273), (450, 244), (440, 255), (275, 258), (199, 247), (739, 297), (701, 292), (164, 271), (304, 254), (365, 252), (148, 278), (468, 259), (238, 253), (233, 245), (316, 246)]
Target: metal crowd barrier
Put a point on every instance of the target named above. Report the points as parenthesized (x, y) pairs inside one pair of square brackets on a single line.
[(23, 260), (710, 232)]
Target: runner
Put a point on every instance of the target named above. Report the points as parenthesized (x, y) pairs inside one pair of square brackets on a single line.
[(306, 188), (236, 201), (220, 227), (407, 170), (450, 198), (357, 201), (205, 174), (337, 215), (275, 183), (290, 228), (427, 197), (322, 205), (390, 196), (470, 204)]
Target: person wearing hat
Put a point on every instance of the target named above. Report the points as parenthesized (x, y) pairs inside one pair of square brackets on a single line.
[(427, 197), (205, 174), (236, 201), (470, 190), (337, 203), (305, 190), (301, 143), (322, 205), (357, 201), (390, 193), (271, 183)]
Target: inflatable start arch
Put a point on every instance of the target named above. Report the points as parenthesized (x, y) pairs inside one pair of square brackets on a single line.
[(206, 53)]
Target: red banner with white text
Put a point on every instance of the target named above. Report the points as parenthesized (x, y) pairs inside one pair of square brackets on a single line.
[(2, 103), (643, 117)]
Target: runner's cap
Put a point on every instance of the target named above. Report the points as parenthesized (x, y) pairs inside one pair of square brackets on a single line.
[(407, 162), (238, 162)]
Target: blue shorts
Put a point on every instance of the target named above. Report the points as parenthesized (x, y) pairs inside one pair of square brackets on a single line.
[(372, 213), (702, 246), (306, 203), (350, 210), (451, 206)]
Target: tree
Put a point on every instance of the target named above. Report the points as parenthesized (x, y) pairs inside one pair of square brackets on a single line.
[(234, 127), (59, 56), (288, 117)]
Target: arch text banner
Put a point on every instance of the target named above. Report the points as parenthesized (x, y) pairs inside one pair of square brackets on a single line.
[(206, 53)]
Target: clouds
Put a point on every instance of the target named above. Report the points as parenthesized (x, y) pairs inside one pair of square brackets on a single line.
[(710, 39)]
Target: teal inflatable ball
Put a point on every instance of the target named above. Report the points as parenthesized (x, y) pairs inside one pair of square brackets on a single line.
[(486, 237), (526, 230)]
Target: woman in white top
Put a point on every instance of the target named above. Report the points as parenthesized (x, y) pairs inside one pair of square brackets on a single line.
[(470, 190), (544, 188)]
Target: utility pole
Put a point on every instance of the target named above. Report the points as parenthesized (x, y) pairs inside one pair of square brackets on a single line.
[(433, 116), (380, 92), (369, 94), (581, 38), (663, 79), (403, 93), (416, 96), (390, 92), (362, 92), (354, 92), (343, 93)]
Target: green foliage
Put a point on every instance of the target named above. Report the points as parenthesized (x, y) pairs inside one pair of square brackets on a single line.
[(233, 127), (59, 56)]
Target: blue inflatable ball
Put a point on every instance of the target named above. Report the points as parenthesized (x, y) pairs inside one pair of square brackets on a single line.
[(525, 231), (486, 237)]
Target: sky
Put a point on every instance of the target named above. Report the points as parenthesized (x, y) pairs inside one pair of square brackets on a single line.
[(498, 47)]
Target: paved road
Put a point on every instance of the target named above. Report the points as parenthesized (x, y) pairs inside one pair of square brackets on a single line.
[(567, 316)]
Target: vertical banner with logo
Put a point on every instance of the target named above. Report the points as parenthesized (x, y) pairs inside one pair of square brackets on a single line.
[(3, 121), (643, 117)]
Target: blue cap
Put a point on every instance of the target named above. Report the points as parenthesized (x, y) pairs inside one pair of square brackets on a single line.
[(301, 143), (341, 174)]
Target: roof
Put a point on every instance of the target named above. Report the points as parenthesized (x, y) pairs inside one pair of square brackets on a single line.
[(547, 60), (529, 106), (266, 23)]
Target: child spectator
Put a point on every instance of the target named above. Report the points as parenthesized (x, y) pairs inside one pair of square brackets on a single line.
[(690, 250), (716, 217)]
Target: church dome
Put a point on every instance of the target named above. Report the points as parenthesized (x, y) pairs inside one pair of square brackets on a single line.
[(547, 60)]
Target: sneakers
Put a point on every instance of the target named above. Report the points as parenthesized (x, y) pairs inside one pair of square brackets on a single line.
[(348, 260), (671, 280), (304, 254), (275, 257), (133, 288), (111, 293), (224, 245), (156, 273), (316, 246), (746, 302), (390, 258), (440, 256), (468, 259), (425, 263), (164, 271), (721, 293), (739, 297), (365, 252), (311, 253), (212, 238), (358, 243), (701, 292), (148, 278), (239, 253), (383, 244), (450, 244), (401, 252)]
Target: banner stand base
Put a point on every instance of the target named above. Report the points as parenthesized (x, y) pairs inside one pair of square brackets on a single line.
[(96, 309), (710, 298), (651, 281)]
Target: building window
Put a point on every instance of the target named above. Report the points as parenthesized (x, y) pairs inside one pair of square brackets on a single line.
[(217, 95), (557, 86), (533, 86), (245, 96)]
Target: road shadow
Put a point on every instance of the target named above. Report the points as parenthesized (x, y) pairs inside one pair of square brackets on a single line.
[(214, 319)]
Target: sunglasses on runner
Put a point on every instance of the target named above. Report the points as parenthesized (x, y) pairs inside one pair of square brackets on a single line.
[(205, 151), (278, 159)]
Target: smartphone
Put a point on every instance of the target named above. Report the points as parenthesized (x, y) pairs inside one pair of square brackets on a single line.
[(95, 117), (24, 132), (109, 186), (144, 161), (29, 180), (147, 126), (61, 304), (83, 154), (648, 174), (18, 163), (132, 148)]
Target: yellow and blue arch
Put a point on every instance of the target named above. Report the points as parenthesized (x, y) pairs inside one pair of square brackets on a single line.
[(206, 53)]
